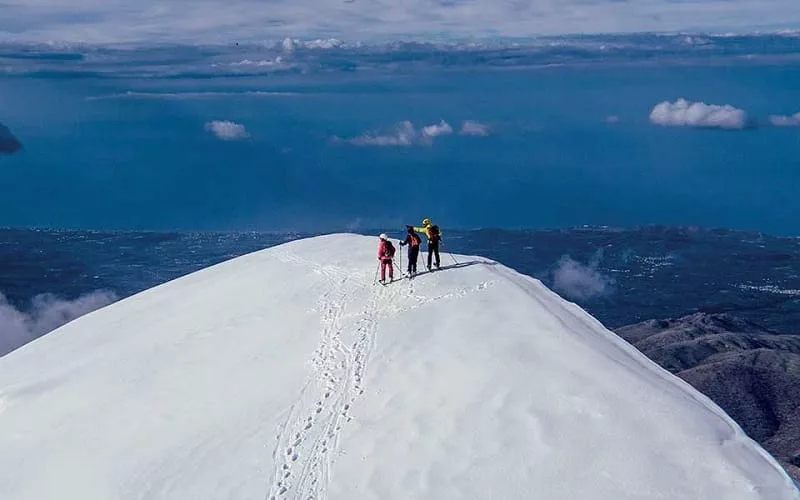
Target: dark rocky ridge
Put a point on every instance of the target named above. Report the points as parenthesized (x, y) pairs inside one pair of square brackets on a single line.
[(752, 373), (8, 143)]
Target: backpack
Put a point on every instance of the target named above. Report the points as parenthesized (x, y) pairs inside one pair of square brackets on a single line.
[(433, 234), (388, 249), (415, 240)]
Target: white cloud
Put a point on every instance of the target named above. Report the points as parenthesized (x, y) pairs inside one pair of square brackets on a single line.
[(260, 63), (290, 44), (471, 127), (785, 121), (441, 128), (47, 312), (612, 120), (683, 113), (403, 134), (579, 281), (106, 21), (227, 130)]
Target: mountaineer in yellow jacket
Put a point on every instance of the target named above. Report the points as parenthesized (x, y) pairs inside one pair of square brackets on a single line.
[(434, 237)]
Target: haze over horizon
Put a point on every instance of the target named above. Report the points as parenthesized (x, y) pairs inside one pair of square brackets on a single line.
[(208, 21)]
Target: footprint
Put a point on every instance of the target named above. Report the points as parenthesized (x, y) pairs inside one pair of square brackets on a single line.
[(294, 458)]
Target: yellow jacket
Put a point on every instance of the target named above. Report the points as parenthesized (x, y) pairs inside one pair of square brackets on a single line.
[(426, 231)]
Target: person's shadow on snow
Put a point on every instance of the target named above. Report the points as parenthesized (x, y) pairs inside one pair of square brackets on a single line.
[(454, 266)]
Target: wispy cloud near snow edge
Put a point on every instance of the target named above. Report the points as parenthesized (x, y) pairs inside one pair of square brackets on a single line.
[(47, 312)]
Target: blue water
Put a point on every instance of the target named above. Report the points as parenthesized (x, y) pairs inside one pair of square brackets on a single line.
[(115, 138)]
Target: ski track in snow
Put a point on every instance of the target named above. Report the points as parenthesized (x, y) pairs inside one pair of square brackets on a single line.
[(309, 439)]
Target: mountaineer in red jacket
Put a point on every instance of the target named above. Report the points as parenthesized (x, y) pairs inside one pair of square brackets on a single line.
[(386, 257)]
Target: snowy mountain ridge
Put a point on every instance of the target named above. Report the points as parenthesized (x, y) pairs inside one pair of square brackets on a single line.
[(286, 373)]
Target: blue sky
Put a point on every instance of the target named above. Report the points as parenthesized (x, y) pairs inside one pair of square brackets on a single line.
[(205, 21)]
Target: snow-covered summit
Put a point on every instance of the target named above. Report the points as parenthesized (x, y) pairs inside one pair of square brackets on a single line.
[(287, 374)]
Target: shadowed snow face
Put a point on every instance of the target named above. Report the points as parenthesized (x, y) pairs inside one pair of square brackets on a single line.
[(206, 21)]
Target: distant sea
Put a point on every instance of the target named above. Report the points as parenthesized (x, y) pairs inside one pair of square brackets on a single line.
[(620, 276), (310, 135)]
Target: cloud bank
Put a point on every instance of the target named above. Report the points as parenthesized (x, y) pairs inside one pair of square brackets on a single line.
[(442, 128), (207, 21), (785, 121), (406, 134), (578, 281), (227, 130), (403, 134), (683, 113), (472, 127), (46, 313), (8, 143)]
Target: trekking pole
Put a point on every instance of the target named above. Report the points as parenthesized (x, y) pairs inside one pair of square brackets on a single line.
[(451, 255), (375, 280)]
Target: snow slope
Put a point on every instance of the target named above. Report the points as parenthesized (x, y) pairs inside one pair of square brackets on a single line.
[(285, 373)]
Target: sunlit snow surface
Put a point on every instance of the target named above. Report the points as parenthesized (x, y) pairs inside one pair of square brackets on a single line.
[(286, 373)]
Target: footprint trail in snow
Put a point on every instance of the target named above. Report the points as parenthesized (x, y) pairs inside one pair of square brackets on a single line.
[(309, 438)]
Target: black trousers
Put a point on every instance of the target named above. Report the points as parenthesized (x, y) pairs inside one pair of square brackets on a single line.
[(433, 250), (413, 253)]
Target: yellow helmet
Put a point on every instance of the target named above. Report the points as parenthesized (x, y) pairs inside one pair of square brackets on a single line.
[(426, 222)]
